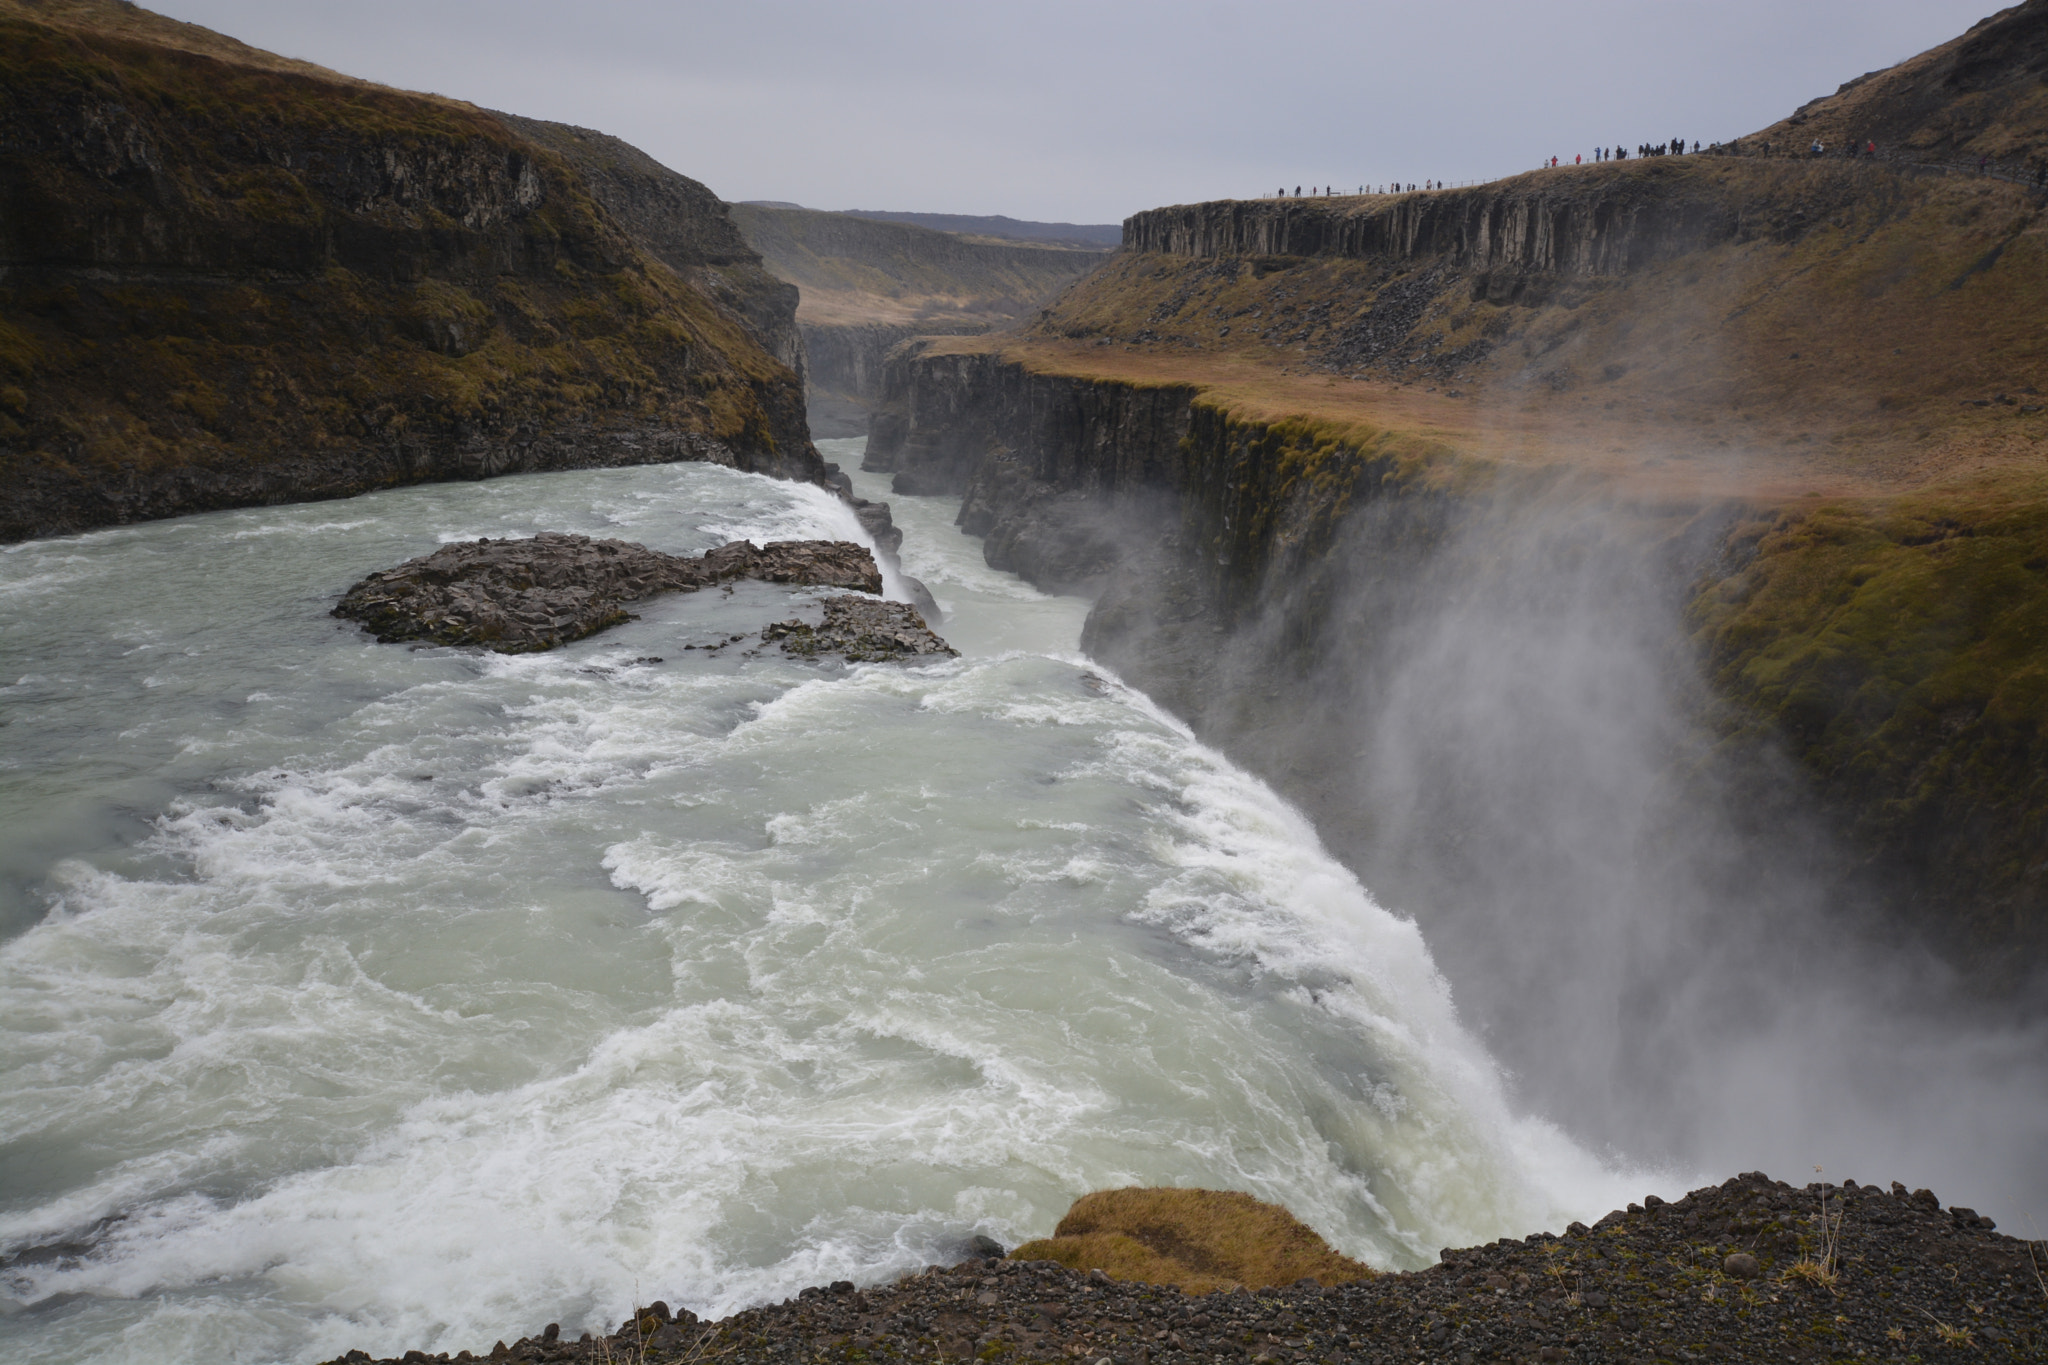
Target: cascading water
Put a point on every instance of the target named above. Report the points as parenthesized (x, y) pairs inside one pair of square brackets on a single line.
[(362, 995)]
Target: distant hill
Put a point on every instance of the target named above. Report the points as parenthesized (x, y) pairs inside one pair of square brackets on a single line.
[(1984, 94), (1092, 236), (869, 283), (1097, 235)]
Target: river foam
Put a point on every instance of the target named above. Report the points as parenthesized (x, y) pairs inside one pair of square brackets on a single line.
[(406, 998)]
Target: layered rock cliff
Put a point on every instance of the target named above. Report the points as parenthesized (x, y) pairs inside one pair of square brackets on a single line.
[(226, 278), (683, 225)]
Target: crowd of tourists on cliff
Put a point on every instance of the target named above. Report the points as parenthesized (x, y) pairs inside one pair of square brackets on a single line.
[(1853, 147), (1325, 191)]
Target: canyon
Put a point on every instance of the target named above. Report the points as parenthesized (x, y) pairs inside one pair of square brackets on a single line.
[(868, 284), (1516, 695), (1638, 571)]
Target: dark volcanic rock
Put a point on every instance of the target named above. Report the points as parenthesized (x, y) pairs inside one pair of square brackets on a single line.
[(860, 630), (523, 596), (1908, 1281)]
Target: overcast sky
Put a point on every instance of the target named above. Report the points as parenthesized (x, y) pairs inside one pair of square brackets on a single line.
[(1086, 112)]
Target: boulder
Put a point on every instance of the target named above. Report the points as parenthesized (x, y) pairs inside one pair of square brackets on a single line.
[(860, 630), (525, 596)]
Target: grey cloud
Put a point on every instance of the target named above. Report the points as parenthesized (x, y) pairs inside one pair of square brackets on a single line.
[(1091, 111)]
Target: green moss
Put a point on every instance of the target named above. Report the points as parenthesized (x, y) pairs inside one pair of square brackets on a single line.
[(21, 352), (1901, 647)]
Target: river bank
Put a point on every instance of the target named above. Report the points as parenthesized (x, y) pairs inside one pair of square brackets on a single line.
[(1751, 1269)]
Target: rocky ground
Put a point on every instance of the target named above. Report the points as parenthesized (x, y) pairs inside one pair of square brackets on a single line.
[(1751, 1270), (524, 596), (859, 630)]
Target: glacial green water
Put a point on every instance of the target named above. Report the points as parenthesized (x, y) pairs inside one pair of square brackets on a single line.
[(362, 995)]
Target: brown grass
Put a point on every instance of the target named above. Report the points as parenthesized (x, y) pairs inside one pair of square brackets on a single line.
[(1858, 354), (1195, 1240), (121, 20)]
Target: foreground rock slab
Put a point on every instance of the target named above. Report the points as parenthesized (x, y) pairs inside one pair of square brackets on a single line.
[(525, 596), (1750, 1270), (860, 630)]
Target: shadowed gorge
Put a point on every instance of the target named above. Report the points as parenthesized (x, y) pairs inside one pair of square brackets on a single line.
[(867, 285)]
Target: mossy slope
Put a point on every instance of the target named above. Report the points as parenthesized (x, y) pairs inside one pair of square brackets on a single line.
[(1899, 647), (232, 282)]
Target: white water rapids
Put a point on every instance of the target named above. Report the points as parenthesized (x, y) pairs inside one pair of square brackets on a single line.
[(364, 995)]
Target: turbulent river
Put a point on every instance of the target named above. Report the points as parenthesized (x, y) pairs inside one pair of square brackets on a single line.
[(365, 995)]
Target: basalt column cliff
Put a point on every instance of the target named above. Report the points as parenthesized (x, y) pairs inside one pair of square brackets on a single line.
[(228, 278)]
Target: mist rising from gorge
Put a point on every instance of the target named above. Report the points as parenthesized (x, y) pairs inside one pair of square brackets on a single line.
[(1503, 728)]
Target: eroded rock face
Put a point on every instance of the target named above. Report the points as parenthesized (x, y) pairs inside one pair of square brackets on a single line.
[(860, 630), (525, 596)]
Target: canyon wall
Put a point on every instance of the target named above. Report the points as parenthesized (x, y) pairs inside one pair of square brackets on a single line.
[(1672, 831), (1636, 572), (683, 225), (1595, 225), (229, 279)]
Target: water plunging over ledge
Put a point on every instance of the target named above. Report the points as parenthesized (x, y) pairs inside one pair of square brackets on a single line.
[(359, 995)]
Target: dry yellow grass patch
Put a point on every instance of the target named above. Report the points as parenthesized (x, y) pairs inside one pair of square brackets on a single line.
[(1194, 1240)]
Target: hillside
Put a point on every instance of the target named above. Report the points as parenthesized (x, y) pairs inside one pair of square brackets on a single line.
[(866, 285), (235, 278), (1098, 236), (1982, 95)]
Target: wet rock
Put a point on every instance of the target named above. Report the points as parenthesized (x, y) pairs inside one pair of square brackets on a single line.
[(860, 630), (525, 596)]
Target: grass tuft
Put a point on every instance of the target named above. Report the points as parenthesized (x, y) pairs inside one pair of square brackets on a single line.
[(1195, 1240)]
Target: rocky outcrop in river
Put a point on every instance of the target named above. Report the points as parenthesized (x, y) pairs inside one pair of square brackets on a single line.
[(525, 596), (859, 630)]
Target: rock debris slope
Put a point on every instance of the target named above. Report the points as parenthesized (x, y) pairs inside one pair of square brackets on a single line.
[(1741, 1271)]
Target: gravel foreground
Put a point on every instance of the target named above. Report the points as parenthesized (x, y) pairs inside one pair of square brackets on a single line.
[(1737, 1272)]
